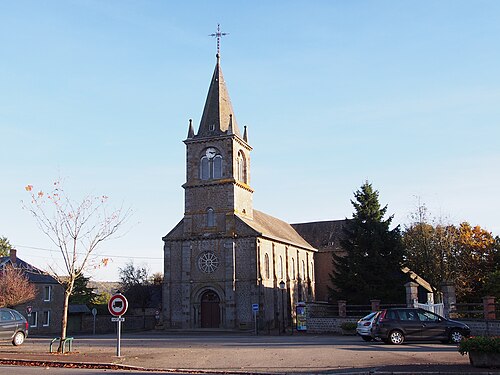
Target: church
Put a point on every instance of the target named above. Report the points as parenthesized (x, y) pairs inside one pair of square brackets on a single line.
[(225, 260)]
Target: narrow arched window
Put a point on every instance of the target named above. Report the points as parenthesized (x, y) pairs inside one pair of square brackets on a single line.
[(281, 268), (242, 169), (204, 170), (304, 270), (266, 266), (312, 272), (293, 269), (210, 217), (217, 167)]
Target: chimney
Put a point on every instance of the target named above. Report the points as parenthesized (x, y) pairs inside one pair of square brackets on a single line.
[(13, 256)]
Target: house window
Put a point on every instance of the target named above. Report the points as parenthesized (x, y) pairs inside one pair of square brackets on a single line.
[(34, 319), (211, 165), (210, 217), (304, 270), (46, 318), (293, 269), (242, 170), (266, 266), (281, 268), (47, 293)]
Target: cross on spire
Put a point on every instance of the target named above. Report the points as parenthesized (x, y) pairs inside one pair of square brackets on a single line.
[(218, 35)]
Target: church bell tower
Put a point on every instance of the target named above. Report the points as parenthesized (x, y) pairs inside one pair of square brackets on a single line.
[(217, 167)]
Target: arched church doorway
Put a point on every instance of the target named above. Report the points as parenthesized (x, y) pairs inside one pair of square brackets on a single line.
[(210, 310)]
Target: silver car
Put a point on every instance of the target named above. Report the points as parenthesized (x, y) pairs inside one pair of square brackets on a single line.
[(364, 328), (13, 326)]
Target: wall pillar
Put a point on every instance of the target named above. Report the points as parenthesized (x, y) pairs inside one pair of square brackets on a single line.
[(342, 308), (489, 307), (411, 293), (375, 304), (449, 298)]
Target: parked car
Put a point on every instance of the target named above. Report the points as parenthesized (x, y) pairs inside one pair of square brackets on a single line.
[(13, 326), (395, 325), (364, 328)]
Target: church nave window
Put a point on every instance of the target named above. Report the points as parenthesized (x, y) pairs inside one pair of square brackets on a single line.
[(211, 165)]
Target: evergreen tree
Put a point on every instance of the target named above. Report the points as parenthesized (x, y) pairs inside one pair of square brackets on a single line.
[(5, 247), (371, 265), (82, 294)]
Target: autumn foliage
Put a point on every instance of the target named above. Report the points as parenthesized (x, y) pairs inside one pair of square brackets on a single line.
[(465, 255), (15, 287)]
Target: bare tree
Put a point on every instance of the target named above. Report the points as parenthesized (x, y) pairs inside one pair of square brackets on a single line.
[(77, 229), (15, 287)]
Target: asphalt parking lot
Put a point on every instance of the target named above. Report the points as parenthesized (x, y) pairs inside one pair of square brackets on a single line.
[(248, 353)]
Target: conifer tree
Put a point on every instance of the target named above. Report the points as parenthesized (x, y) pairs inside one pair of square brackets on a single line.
[(371, 265)]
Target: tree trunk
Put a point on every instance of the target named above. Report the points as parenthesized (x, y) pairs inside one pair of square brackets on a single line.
[(64, 320)]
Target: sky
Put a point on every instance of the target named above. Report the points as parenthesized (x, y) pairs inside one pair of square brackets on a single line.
[(404, 94)]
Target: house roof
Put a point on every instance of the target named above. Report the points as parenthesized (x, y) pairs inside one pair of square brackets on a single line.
[(33, 274), (268, 226)]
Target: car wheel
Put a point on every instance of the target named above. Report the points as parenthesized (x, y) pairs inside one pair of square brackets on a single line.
[(456, 336), (18, 339), (367, 338), (396, 337)]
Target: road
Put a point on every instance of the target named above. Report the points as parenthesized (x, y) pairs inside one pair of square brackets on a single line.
[(297, 354)]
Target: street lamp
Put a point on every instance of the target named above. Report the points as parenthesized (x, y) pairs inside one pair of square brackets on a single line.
[(283, 287)]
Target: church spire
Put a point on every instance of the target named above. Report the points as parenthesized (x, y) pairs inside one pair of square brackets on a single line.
[(218, 115)]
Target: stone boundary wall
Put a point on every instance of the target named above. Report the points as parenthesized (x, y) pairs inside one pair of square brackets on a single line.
[(483, 327), (332, 326)]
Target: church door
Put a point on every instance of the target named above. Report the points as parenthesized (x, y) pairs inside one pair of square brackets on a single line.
[(210, 310)]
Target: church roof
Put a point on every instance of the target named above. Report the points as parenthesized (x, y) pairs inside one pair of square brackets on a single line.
[(271, 227), (218, 115), (324, 235)]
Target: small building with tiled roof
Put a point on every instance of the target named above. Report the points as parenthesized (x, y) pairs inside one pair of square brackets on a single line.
[(44, 313), (224, 260)]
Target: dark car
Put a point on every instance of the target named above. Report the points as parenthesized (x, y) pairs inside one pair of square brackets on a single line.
[(13, 326), (399, 324)]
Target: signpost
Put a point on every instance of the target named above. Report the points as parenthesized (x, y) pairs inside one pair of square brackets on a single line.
[(255, 309), (29, 309), (94, 313), (117, 306)]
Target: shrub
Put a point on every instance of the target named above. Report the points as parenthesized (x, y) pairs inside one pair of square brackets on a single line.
[(483, 344)]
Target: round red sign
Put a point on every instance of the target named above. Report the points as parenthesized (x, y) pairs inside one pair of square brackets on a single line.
[(117, 305)]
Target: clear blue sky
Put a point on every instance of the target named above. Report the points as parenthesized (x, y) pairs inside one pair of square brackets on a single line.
[(405, 94)]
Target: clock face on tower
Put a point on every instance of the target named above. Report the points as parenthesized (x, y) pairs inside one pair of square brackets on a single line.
[(211, 152)]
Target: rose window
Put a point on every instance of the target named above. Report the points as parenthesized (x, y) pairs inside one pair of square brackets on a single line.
[(208, 262)]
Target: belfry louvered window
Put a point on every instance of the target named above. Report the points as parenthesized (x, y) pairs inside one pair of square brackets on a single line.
[(211, 168)]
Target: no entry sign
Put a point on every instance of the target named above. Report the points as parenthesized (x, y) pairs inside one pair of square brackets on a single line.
[(117, 305)]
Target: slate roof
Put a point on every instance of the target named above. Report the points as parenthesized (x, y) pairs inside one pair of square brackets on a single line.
[(323, 235), (34, 274), (262, 224), (218, 109), (268, 226)]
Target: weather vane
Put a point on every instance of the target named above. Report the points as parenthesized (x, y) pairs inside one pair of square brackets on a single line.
[(218, 35)]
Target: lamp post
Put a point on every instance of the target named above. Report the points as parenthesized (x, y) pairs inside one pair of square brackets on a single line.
[(283, 287)]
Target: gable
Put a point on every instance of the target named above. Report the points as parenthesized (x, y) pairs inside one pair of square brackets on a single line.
[(324, 235)]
